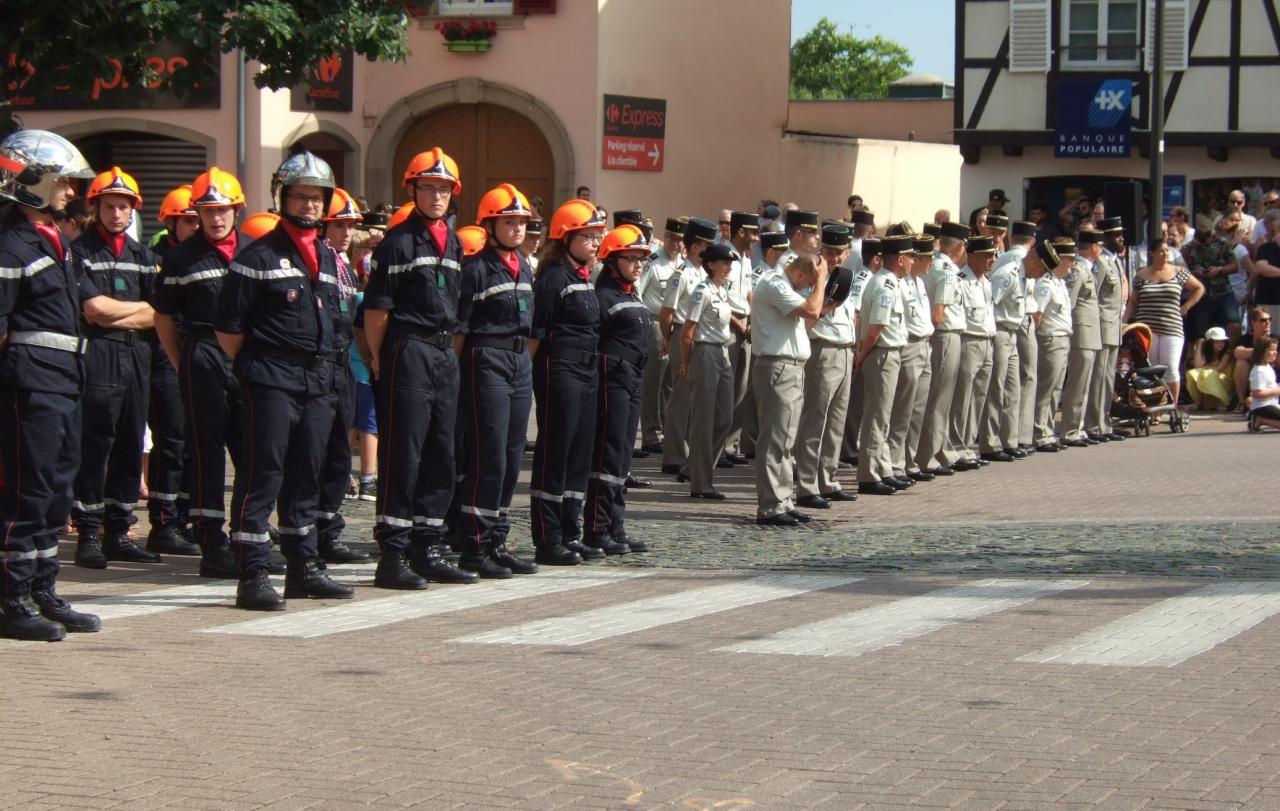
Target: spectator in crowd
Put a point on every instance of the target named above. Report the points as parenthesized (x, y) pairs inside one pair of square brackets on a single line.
[(1158, 302), (940, 216), (1074, 214), (724, 225), (1241, 221), (583, 193), (978, 220), (1178, 228), (1242, 354), (1266, 269), (1265, 408), (1270, 202), (996, 200), (1209, 380), (855, 204), (73, 220), (1210, 261), (1038, 215)]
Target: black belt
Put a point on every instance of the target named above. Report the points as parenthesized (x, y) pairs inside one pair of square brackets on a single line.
[(569, 353), (311, 361), (618, 351), (515, 343), (124, 336), (442, 340), (202, 334)]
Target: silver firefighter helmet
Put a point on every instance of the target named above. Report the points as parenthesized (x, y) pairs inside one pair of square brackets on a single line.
[(33, 161), (303, 169)]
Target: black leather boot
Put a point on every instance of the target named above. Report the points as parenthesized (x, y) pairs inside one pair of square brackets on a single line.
[(20, 618), (168, 540), (394, 573), (485, 566), (584, 551), (53, 607), (503, 556), (219, 563), (305, 578), (608, 545), (335, 551), (557, 555), (256, 593), (89, 550), (117, 546), (430, 562)]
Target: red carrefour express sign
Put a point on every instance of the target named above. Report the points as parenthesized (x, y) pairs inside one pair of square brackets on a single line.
[(634, 133)]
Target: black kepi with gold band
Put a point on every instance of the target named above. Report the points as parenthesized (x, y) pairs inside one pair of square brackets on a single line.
[(804, 220), (922, 245), (1109, 224), (1089, 236), (932, 230), (980, 245), (677, 225), (954, 230), (698, 228), (1048, 255), (864, 216), (836, 237), (628, 216), (773, 240), (745, 220), (897, 244), (1064, 246), (1022, 228), (997, 222)]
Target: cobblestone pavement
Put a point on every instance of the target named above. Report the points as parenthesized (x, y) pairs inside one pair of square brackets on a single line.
[(1095, 629)]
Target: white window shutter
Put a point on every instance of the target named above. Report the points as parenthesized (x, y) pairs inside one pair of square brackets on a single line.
[(1177, 23), (1029, 36)]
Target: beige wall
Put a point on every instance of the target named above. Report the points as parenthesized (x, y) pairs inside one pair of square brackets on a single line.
[(890, 119)]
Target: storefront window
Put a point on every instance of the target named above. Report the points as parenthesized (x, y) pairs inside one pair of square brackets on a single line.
[(466, 8), (1101, 33)]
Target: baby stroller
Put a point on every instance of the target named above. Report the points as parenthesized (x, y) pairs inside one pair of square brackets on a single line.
[(1142, 395)]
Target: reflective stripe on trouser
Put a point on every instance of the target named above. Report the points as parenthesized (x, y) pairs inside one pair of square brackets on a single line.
[(972, 380), (853, 418), (710, 411), (39, 453), (944, 361), (167, 420), (1075, 392), (212, 400), (1050, 369), (113, 409), (880, 372), (1028, 359), (493, 421), (417, 413), (1102, 390), (619, 411), (998, 424), (566, 414), (335, 471), (675, 419), (283, 432), (913, 373), (740, 360), (827, 377), (657, 384), (778, 385)]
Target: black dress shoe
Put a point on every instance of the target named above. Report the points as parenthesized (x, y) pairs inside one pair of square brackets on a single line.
[(779, 520), (681, 478), (393, 572), (845, 466), (504, 557), (305, 578), (633, 483), (942, 470), (839, 495), (710, 495), (428, 561), (608, 545), (639, 453), (634, 544), (672, 469), (814, 502), (1076, 443), (964, 464), (20, 618), (997, 456), (117, 546), (256, 593), (167, 540), (219, 563), (724, 462), (1088, 440), (52, 607), (1016, 453), (1027, 449), (876, 488), (557, 555), (1097, 438), (980, 462), (852, 461), (335, 551), (1116, 436), (1052, 447), (89, 551), (922, 476), (484, 567), (737, 458), (584, 551), (899, 482), (802, 518), (652, 447)]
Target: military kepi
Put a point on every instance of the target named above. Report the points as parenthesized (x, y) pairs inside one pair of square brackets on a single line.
[(955, 230), (772, 240), (980, 245), (1110, 224), (835, 236), (699, 228), (743, 219), (676, 225), (1022, 228), (806, 220), (628, 216)]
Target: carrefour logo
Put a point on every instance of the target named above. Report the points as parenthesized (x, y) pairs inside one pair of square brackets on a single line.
[(1110, 103)]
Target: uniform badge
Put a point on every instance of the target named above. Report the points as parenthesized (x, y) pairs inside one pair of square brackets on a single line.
[(292, 295), (886, 300), (284, 263)]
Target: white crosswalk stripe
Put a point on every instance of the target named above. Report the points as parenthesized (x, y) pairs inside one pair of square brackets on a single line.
[(893, 623), (1171, 631), (365, 614), (604, 623)]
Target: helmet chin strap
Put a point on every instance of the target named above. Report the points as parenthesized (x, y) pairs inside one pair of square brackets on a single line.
[(300, 222)]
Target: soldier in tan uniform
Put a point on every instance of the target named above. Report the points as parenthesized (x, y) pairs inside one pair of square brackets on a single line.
[(915, 376), (947, 313), (1086, 337), (1000, 416), (651, 288), (1053, 334), (973, 377), (744, 232), (1113, 292), (883, 319)]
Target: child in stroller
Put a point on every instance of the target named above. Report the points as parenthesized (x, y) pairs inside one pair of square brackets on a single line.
[(1142, 395)]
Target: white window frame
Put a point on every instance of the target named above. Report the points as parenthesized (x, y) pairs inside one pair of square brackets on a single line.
[(1099, 62), (475, 8)]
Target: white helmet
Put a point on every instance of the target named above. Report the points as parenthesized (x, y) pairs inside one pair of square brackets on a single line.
[(33, 161)]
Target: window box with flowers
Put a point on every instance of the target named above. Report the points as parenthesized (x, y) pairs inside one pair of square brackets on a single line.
[(467, 36)]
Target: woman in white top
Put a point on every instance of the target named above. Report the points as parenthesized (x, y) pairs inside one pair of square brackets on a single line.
[(1265, 407), (704, 362)]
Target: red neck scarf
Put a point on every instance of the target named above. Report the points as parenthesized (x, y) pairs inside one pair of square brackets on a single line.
[(512, 261), (226, 247), (113, 241), (439, 231), (304, 239), (627, 287), (53, 236), (583, 271)]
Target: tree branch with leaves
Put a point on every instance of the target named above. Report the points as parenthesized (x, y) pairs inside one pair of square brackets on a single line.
[(826, 64)]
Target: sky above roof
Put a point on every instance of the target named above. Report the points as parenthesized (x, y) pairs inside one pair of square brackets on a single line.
[(925, 27)]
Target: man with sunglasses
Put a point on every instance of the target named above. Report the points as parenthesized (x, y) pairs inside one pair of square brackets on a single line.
[(1260, 326), (1266, 265), (1270, 202)]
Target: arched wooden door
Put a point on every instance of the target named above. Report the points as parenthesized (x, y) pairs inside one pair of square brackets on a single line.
[(491, 144)]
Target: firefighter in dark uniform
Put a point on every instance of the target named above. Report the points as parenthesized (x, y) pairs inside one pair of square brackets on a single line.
[(411, 304), (624, 343), (275, 319), (495, 317), (335, 476), (166, 498), (117, 367), (41, 304), (565, 337)]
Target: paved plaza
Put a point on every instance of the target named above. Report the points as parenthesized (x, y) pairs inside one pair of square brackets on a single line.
[(1095, 628)]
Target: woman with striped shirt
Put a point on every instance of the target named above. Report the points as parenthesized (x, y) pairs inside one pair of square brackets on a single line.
[(1162, 296)]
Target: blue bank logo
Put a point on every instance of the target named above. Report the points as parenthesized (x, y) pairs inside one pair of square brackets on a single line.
[(1110, 103)]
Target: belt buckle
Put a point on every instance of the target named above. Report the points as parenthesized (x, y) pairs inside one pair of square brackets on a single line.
[(520, 343), (317, 362)]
